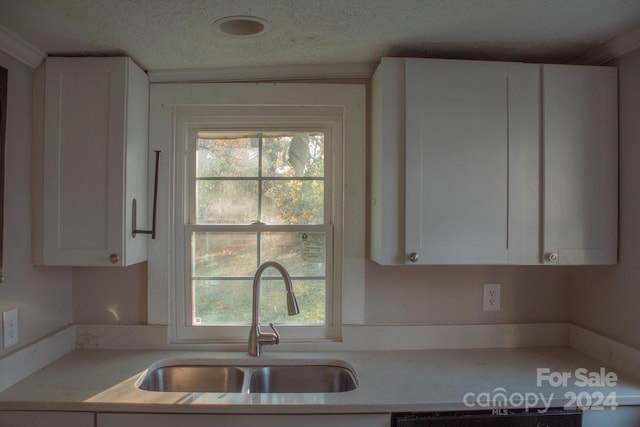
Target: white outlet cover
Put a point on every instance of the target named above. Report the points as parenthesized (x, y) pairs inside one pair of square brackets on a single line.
[(491, 297), (10, 327)]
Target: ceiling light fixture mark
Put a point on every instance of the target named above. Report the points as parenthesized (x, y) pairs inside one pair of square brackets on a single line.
[(241, 26)]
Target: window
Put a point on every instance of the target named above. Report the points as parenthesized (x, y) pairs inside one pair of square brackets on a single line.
[(259, 196), (256, 185), (320, 238)]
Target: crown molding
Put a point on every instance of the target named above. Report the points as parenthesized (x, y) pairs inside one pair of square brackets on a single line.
[(612, 49), (20, 49), (266, 73)]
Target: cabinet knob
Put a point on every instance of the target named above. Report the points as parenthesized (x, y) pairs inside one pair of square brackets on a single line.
[(114, 258), (414, 257), (551, 256)]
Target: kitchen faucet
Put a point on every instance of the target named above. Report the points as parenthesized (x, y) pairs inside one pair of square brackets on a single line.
[(257, 338)]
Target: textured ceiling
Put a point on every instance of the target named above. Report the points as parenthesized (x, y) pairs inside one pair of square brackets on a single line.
[(178, 34)]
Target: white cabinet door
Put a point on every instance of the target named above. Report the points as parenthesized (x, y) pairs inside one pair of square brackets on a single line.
[(46, 419), (455, 162), (198, 420), (90, 161), (466, 141), (580, 146)]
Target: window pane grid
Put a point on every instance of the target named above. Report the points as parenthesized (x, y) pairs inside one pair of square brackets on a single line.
[(211, 291), (290, 158), (258, 197)]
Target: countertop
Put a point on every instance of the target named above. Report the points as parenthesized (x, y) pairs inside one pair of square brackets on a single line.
[(388, 381)]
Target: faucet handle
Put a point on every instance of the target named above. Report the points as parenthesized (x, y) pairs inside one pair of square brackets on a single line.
[(275, 331)]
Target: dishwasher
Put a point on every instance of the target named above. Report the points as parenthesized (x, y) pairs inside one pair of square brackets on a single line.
[(501, 418)]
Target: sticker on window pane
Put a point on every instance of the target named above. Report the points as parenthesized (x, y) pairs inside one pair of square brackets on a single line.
[(313, 247)]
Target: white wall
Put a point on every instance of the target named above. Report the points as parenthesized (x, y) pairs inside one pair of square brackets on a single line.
[(435, 295), (42, 295), (411, 295), (110, 295), (606, 299)]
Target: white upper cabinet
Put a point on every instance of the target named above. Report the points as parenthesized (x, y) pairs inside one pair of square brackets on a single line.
[(580, 146), (90, 161), (457, 170), (454, 148), (464, 134)]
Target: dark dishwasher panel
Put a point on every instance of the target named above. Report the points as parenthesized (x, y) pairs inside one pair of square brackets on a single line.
[(552, 418)]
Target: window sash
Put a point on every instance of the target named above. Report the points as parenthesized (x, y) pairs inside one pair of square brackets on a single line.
[(329, 131), (329, 276), (181, 306)]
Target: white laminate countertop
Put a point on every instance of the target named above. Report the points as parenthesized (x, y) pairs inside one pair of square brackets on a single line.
[(388, 381)]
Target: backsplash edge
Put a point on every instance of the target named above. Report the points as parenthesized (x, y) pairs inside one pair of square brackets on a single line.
[(20, 364)]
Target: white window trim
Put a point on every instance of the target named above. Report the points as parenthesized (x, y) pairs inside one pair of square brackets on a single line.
[(190, 119), (165, 98)]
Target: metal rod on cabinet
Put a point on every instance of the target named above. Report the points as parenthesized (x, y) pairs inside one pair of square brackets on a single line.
[(155, 205)]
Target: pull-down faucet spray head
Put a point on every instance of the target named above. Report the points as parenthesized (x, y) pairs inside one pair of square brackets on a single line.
[(257, 338), (292, 303)]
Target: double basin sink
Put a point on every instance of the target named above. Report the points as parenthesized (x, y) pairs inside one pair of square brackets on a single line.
[(248, 376)]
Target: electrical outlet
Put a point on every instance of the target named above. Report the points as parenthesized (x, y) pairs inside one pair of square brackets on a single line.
[(10, 327), (491, 297)]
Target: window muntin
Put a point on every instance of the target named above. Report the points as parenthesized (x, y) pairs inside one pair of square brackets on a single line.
[(258, 196)]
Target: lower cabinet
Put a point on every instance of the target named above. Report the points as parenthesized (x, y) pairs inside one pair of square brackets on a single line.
[(622, 416), (46, 419), (201, 420)]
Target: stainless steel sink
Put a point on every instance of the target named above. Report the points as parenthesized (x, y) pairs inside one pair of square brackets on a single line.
[(301, 379), (248, 376), (194, 378)]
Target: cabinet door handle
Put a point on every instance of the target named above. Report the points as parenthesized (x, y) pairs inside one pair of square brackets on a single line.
[(114, 258), (155, 205), (414, 257)]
